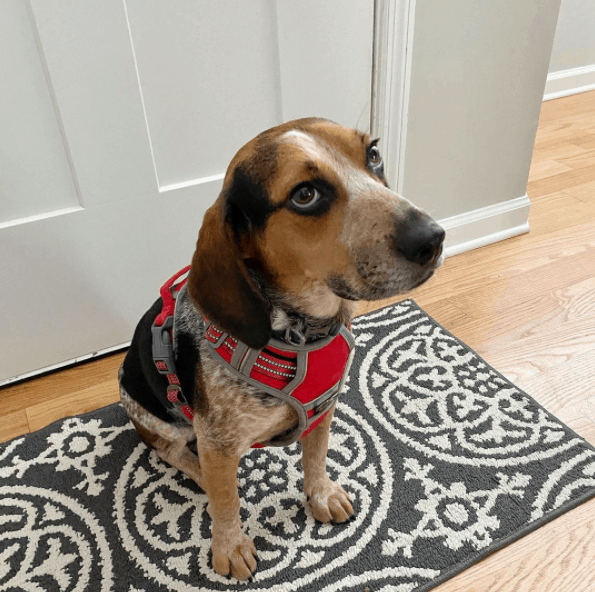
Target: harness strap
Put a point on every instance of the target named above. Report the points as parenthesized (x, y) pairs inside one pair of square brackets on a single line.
[(279, 369), (308, 377), (163, 343), (169, 302)]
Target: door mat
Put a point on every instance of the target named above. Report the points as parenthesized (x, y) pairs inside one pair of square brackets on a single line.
[(445, 461)]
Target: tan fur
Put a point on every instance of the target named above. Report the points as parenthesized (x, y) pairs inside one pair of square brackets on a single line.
[(233, 552), (301, 255), (328, 500)]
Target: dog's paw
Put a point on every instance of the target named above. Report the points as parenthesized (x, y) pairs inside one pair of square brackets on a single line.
[(330, 503), (234, 554)]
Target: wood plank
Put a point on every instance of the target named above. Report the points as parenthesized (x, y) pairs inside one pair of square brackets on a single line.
[(46, 388), (521, 279), (547, 168), (45, 413), (557, 211), (584, 192), (559, 135), (558, 152), (578, 299), (577, 161), (539, 316), (13, 425), (543, 351), (567, 392), (513, 270), (559, 556), (587, 142), (483, 330), (573, 107), (560, 182)]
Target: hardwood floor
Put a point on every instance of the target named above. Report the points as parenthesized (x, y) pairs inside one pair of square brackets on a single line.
[(527, 305)]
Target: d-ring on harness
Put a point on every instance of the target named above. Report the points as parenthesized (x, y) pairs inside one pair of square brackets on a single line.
[(307, 376)]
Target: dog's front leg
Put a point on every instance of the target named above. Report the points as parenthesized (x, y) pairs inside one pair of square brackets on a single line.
[(233, 552), (328, 500)]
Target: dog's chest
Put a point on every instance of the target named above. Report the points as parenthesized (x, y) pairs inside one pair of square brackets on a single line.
[(235, 410), (240, 414)]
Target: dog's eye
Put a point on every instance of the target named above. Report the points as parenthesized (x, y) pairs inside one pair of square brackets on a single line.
[(305, 196), (374, 154)]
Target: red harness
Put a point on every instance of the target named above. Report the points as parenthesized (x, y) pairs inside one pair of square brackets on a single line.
[(309, 376)]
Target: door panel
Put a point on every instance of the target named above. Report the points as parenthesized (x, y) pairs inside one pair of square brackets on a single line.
[(85, 278), (325, 54), (149, 104), (202, 108), (35, 176), (86, 46)]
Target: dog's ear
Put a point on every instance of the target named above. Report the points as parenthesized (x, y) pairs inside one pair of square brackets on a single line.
[(219, 283)]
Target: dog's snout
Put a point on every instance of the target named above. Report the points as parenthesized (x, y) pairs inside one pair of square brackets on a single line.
[(419, 239)]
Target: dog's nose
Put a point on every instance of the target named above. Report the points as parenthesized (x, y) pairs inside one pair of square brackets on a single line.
[(419, 238)]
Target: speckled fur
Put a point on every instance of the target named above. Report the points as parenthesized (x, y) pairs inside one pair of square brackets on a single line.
[(239, 415)]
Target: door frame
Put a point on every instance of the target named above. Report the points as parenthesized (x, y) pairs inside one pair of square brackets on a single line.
[(391, 77)]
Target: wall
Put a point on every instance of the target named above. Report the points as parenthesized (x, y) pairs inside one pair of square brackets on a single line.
[(572, 67), (477, 79), (574, 44)]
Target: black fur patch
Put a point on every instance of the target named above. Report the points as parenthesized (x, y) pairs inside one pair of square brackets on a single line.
[(247, 204)]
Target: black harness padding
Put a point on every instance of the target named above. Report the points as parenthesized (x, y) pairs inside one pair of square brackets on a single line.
[(144, 383)]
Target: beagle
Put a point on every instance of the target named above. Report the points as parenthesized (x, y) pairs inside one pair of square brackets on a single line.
[(305, 225)]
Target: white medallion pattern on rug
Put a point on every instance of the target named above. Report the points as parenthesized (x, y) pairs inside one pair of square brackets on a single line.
[(441, 398), (47, 537), (444, 460), (77, 445), (161, 510)]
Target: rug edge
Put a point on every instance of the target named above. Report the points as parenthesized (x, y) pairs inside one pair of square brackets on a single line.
[(499, 544), (513, 537), (61, 419)]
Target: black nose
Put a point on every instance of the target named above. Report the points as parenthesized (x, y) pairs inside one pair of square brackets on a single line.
[(419, 238)]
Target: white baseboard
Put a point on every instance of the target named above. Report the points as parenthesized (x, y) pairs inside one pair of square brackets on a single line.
[(569, 82), (65, 364), (485, 226)]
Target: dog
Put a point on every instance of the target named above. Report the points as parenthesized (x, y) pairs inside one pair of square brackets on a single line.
[(304, 227)]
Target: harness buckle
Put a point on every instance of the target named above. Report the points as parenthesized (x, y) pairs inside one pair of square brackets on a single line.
[(294, 337), (324, 405), (163, 349)]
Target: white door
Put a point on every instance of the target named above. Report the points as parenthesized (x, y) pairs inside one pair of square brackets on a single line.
[(117, 121)]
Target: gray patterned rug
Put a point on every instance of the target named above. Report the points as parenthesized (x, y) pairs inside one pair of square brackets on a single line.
[(445, 460)]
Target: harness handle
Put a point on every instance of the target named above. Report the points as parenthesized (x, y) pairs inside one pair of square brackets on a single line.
[(169, 302)]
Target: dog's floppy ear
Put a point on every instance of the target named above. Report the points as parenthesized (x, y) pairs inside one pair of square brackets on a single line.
[(220, 285)]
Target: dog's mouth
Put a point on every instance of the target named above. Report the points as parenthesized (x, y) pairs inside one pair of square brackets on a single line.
[(375, 282), (373, 291), (341, 288)]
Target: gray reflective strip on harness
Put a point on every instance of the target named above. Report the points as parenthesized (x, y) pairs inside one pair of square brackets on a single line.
[(169, 355), (326, 400)]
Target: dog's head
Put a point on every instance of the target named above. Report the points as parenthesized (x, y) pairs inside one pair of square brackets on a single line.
[(306, 206)]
